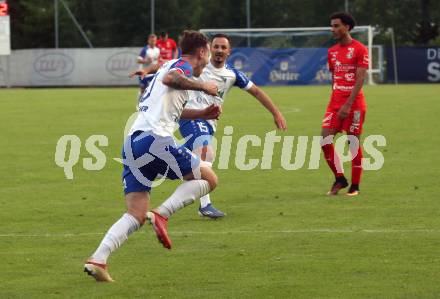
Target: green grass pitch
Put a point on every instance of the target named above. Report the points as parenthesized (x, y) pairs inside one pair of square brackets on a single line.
[(282, 237)]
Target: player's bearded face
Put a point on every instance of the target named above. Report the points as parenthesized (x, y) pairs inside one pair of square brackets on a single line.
[(220, 49)]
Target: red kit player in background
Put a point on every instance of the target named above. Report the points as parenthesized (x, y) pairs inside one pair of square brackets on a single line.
[(167, 47), (348, 62)]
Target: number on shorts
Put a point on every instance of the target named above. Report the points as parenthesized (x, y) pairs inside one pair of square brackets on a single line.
[(203, 127)]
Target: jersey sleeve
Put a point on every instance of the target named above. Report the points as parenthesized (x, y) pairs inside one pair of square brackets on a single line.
[(174, 45), (329, 62), (143, 52), (182, 67), (362, 57), (241, 80)]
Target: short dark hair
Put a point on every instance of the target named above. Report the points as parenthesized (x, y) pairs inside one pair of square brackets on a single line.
[(191, 41), (163, 34), (221, 35), (345, 17)]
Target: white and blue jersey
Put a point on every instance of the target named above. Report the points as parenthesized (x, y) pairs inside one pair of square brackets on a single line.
[(148, 52), (225, 78), (150, 148), (160, 106)]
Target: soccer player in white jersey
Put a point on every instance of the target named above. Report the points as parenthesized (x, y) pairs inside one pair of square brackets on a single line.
[(150, 150), (149, 55), (200, 131)]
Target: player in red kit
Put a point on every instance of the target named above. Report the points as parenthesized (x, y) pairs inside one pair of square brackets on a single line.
[(348, 62), (167, 46)]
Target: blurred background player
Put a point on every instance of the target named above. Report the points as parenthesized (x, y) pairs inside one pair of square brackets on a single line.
[(200, 131), (149, 55), (348, 62), (150, 150), (167, 47)]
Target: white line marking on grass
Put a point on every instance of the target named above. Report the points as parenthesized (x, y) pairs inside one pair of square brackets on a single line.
[(244, 232), (291, 110)]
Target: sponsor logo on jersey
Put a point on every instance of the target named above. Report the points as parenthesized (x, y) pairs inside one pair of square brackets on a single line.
[(54, 65), (342, 87), (349, 76), (339, 67), (350, 53)]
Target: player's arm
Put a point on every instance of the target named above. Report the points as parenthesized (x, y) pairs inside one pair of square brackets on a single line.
[(265, 100), (145, 60), (141, 57), (361, 73), (175, 79), (330, 68), (151, 69), (211, 112)]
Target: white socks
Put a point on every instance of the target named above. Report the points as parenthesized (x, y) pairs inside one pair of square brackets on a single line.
[(184, 195), (116, 235), (205, 200)]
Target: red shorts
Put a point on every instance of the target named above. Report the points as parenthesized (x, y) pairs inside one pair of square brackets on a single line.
[(352, 124)]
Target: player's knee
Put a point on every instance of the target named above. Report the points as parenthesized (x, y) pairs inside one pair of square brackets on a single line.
[(137, 205), (213, 182), (209, 175), (140, 216)]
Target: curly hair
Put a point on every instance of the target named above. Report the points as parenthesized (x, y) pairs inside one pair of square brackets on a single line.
[(191, 41), (345, 17)]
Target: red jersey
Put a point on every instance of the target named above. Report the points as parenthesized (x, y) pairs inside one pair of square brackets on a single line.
[(343, 60), (167, 48)]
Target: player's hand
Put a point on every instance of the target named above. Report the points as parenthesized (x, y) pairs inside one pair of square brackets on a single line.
[(344, 111), (280, 122), (213, 111), (210, 88), (137, 73)]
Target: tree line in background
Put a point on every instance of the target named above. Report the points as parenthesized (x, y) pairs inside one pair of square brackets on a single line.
[(125, 23)]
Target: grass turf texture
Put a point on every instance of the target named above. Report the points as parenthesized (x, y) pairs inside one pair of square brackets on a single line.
[(282, 237)]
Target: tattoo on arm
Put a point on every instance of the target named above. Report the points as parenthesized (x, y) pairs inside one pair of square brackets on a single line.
[(179, 81)]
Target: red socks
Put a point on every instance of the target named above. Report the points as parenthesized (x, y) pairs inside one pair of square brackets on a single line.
[(333, 160), (334, 163), (356, 167)]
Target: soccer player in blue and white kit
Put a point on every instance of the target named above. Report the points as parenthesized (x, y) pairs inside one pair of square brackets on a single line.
[(150, 150), (201, 130), (149, 55)]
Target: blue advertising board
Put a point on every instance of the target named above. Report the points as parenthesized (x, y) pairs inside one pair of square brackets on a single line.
[(295, 66), (415, 64)]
